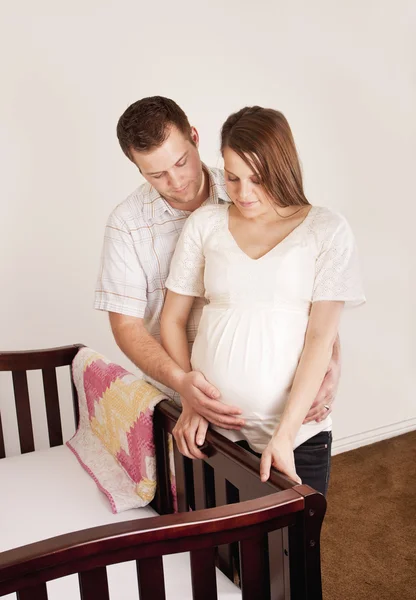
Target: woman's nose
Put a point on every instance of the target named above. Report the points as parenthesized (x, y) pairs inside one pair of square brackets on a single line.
[(245, 190)]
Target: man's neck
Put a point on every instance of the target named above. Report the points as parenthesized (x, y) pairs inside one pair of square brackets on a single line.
[(203, 193)]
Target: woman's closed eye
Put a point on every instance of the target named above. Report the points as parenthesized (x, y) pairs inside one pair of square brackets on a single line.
[(255, 181)]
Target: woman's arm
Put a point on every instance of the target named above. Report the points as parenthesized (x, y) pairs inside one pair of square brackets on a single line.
[(173, 321), (323, 403), (316, 354), (191, 427)]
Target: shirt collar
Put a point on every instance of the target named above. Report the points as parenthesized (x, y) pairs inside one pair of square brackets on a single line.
[(155, 206)]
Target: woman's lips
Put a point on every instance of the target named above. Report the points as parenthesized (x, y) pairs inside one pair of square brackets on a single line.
[(246, 204)]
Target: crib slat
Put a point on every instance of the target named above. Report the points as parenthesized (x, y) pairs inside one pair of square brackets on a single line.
[(37, 592), (278, 561), (163, 500), (182, 488), (279, 564), (93, 584), (209, 485), (151, 578), (53, 414), (2, 448), (199, 484), (204, 488), (204, 581), (75, 402), (254, 574), (225, 560), (226, 493), (24, 417)]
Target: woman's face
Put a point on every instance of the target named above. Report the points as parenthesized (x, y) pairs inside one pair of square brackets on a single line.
[(244, 188)]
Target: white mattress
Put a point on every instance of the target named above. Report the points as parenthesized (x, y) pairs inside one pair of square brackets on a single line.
[(47, 493)]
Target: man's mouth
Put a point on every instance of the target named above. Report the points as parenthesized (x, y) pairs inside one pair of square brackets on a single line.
[(180, 190)]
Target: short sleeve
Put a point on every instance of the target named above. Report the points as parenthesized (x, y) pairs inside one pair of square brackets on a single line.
[(337, 275), (186, 275), (121, 284)]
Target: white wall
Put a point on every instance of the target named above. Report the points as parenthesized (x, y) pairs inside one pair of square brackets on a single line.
[(342, 72)]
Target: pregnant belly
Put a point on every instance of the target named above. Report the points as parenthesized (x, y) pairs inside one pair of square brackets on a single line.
[(251, 356)]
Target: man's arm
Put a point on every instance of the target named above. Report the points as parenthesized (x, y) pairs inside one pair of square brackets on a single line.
[(146, 353), (326, 394)]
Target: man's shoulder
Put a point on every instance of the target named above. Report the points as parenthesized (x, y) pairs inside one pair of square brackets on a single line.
[(131, 208), (218, 181), (217, 175)]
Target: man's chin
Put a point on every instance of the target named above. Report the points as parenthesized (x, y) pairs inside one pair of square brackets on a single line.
[(186, 198)]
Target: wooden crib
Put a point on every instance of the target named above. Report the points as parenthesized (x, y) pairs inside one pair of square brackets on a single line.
[(265, 537)]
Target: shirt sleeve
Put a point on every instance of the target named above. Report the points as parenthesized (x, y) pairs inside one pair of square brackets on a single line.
[(122, 284), (337, 275), (186, 275)]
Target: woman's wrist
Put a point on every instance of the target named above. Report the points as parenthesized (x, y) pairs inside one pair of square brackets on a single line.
[(284, 431)]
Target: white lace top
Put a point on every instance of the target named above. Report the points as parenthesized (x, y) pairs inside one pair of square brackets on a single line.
[(252, 330)]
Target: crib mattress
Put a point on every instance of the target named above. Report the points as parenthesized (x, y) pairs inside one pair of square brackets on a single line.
[(46, 493)]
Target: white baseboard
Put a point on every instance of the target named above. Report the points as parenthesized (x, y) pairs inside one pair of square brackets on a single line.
[(370, 437)]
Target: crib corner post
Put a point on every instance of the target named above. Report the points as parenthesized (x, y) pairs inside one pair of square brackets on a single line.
[(304, 547)]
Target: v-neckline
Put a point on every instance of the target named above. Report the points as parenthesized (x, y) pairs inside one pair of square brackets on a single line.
[(290, 234)]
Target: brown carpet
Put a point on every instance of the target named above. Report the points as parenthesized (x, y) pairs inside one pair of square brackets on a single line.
[(369, 532)]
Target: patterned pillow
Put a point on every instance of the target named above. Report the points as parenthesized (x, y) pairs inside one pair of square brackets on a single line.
[(114, 441)]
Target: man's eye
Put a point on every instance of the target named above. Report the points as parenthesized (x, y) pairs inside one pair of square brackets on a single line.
[(157, 176), (231, 179)]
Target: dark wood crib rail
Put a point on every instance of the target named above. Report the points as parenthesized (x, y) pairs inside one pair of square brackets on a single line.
[(47, 361), (229, 475), (88, 552)]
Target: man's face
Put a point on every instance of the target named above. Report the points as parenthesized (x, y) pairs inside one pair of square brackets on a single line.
[(174, 169)]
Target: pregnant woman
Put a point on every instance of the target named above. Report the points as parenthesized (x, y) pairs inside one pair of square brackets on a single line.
[(276, 273)]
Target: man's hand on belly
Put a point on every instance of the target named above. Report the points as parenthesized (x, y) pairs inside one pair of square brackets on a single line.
[(189, 433), (198, 395)]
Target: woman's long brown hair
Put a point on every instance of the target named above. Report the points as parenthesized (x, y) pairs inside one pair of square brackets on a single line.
[(263, 139)]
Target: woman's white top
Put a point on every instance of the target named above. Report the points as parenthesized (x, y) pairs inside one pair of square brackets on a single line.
[(252, 330)]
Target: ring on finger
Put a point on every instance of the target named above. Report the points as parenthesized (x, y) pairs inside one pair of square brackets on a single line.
[(326, 406)]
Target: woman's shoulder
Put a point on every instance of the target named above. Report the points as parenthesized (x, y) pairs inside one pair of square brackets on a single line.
[(326, 221), (207, 215), (329, 228), (207, 210)]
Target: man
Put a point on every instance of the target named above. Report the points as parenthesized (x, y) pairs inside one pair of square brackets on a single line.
[(140, 238)]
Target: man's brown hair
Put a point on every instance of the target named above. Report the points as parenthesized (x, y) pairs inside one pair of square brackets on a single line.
[(145, 124), (263, 139)]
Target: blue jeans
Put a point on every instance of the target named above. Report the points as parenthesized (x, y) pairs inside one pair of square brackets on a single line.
[(312, 460)]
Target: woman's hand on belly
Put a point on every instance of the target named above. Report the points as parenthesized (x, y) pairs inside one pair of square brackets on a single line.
[(279, 454), (189, 433)]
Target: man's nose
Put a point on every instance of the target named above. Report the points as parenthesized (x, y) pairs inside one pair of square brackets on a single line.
[(175, 181)]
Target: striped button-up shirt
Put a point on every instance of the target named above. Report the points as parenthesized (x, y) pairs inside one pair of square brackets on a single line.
[(139, 241)]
